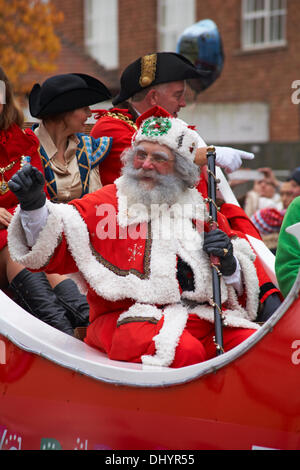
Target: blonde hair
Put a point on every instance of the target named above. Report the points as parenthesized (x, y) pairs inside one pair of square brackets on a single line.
[(12, 113)]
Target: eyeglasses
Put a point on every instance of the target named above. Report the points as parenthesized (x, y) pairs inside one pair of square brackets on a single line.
[(155, 157)]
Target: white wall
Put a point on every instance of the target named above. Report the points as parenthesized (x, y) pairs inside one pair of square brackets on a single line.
[(222, 123)]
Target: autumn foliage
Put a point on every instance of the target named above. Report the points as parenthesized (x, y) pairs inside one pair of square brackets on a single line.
[(27, 38)]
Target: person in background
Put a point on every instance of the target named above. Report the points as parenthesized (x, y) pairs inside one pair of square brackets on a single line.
[(144, 253), (35, 292), (265, 193), (268, 220), (294, 179), (287, 261), (286, 194)]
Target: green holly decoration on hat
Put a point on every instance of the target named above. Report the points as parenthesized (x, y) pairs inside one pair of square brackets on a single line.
[(155, 127)]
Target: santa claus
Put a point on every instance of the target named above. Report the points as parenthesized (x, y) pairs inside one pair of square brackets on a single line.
[(141, 248)]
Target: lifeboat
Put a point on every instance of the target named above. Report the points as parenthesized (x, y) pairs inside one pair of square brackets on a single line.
[(59, 393)]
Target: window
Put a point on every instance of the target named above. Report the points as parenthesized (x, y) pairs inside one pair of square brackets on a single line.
[(173, 17), (101, 31), (263, 23)]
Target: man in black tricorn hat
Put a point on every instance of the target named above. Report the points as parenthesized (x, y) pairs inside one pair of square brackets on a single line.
[(154, 79)]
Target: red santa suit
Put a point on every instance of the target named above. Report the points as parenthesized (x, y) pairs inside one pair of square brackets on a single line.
[(120, 124), (128, 261), (15, 148)]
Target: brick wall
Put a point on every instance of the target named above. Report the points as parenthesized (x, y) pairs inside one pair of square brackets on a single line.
[(137, 26), (73, 26), (73, 56), (264, 76), (137, 30)]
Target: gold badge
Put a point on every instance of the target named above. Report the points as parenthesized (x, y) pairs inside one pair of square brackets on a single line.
[(148, 70), (3, 184)]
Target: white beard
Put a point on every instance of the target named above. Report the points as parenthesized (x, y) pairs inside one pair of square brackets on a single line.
[(166, 189)]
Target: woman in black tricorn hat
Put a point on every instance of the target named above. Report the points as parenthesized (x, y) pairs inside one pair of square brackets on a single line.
[(71, 159), (54, 299)]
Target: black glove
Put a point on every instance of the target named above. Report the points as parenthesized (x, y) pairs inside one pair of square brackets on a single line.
[(218, 243), (28, 185), (268, 307)]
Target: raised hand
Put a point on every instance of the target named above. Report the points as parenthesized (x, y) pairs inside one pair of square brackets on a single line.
[(231, 159), (28, 185), (219, 244)]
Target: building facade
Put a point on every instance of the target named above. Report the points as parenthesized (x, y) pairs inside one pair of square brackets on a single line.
[(253, 104)]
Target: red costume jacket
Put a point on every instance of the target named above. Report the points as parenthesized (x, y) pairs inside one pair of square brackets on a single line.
[(120, 125), (15, 144)]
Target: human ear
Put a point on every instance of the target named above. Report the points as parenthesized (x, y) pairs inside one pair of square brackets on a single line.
[(153, 97)]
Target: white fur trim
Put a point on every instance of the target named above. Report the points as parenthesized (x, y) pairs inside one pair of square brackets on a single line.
[(198, 260), (234, 318), (244, 253), (159, 288), (166, 341), (39, 255), (235, 314), (141, 310)]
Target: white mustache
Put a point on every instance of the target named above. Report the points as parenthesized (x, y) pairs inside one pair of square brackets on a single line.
[(140, 173)]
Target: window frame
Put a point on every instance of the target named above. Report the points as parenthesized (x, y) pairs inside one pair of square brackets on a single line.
[(93, 41), (266, 13), (165, 30)]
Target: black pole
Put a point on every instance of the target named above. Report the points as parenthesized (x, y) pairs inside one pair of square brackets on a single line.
[(214, 260)]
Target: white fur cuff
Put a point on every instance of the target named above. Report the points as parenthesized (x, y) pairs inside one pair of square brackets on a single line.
[(39, 255), (166, 341)]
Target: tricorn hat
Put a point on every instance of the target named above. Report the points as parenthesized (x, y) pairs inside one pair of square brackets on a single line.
[(153, 69), (66, 92)]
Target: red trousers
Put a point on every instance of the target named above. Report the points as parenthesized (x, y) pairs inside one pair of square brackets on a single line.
[(130, 341)]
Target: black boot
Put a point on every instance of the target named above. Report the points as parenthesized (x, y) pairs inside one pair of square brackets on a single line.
[(33, 292), (75, 303), (269, 306)]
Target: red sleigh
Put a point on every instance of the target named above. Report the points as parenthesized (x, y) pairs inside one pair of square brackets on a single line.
[(58, 393)]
